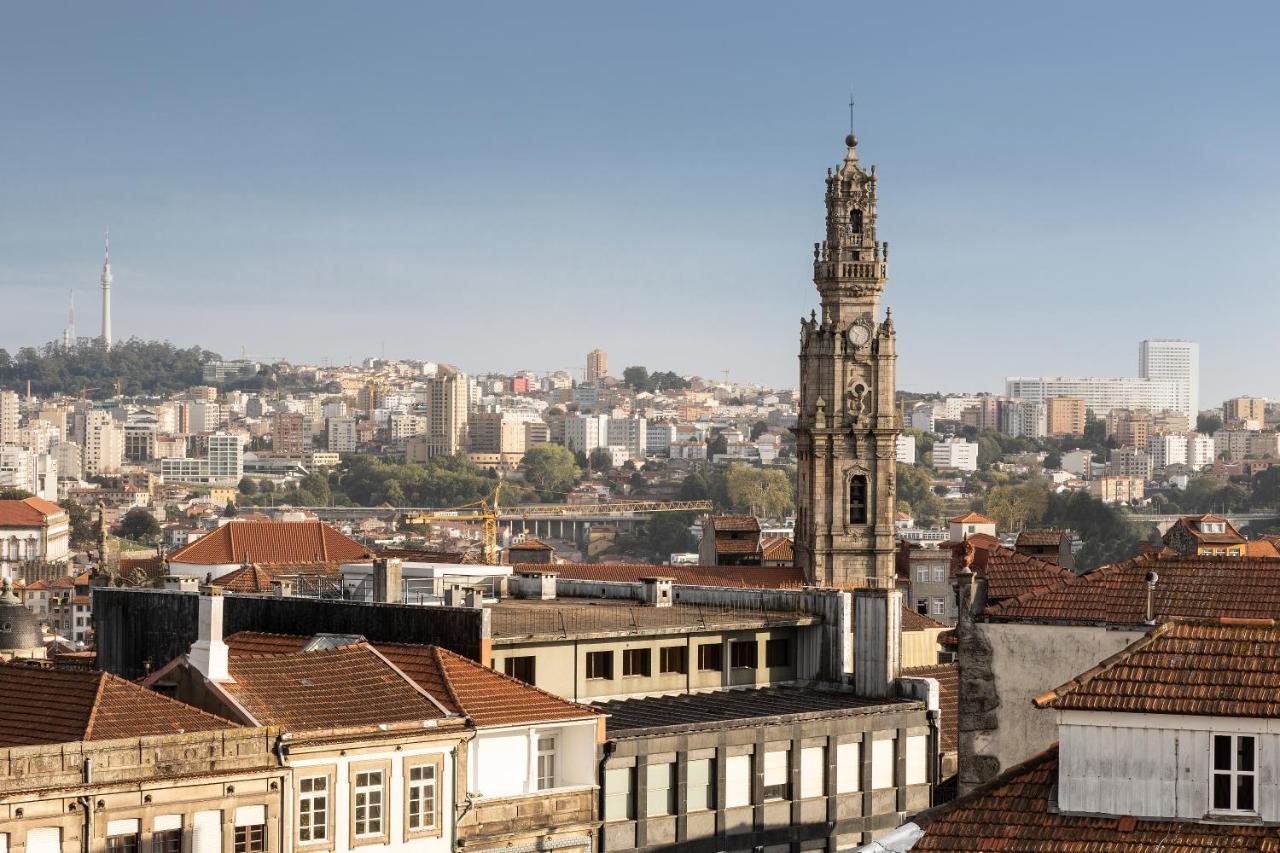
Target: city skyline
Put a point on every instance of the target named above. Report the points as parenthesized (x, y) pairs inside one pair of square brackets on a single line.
[(672, 209)]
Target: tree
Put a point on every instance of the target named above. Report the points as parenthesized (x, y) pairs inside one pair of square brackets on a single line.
[(139, 525), (1266, 488), (600, 460), (230, 511), (1053, 461), (1017, 506), (988, 450), (15, 495), (551, 469), (758, 429), (914, 487), (1208, 423), (266, 487), (82, 528), (717, 444), (248, 487), (1106, 534), (636, 378), (764, 492)]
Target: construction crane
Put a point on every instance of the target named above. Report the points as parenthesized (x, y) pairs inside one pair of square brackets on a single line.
[(487, 512)]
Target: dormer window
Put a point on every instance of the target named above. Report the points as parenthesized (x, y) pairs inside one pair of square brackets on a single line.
[(1235, 774)]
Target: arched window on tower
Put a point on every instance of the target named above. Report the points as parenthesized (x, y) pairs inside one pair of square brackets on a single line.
[(858, 499), (855, 221)]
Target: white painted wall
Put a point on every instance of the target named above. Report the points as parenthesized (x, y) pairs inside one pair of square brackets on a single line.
[(1155, 765), (501, 760)]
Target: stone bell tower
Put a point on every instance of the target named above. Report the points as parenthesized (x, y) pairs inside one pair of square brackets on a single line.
[(847, 430)]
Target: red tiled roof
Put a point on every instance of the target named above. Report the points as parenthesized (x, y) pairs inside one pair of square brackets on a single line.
[(530, 545), (28, 512), (428, 555), (1040, 538), (329, 688), (59, 706), (948, 676), (739, 523), (1009, 573), (913, 621), (971, 518), (245, 579), (777, 548), (271, 542), (1012, 813), (1261, 548), (764, 577), (1188, 587), (1222, 668), (730, 545)]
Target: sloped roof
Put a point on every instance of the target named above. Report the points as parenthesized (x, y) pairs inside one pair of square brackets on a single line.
[(735, 523), (948, 677), (777, 548), (764, 577), (1012, 813), (271, 542), (1040, 538), (27, 512), (1009, 573), (1188, 587), (971, 518), (329, 688), (913, 621), (59, 706), (1221, 668), (245, 579)]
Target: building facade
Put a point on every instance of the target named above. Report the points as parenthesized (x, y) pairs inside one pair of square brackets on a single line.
[(1175, 361)]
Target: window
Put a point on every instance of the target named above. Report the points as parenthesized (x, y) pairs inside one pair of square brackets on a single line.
[(700, 785), (855, 221), (660, 798), (883, 758), (777, 775), (522, 667), (813, 772), (618, 782), (737, 781), (126, 843), (166, 841), (635, 662), (939, 574), (744, 654), (710, 657), (848, 767), (421, 804), (1235, 774), (673, 659), (600, 665), (777, 652), (251, 839), (917, 760), (858, 499), (922, 606), (546, 762), (939, 607), (922, 574), (313, 809), (368, 803)]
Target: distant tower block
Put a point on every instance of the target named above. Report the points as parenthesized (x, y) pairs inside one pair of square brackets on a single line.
[(597, 364), (106, 292), (69, 334)]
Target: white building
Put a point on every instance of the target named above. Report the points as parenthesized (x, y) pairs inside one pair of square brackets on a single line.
[(923, 417), (341, 434), (1023, 418), (1099, 395), (226, 458), (955, 454), (32, 529), (1199, 450), (631, 433), (906, 449), (8, 417), (103, 445), (25, 469), (1175, 361), (585, 433), (1168, 449), (1078, 462), (658, 437)]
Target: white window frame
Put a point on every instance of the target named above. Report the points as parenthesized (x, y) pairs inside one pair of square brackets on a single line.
[(317, 803), (922, 574), (700, 785), (545, 763), (777, 775), (374, 798), (1233, 773), (425, 792), (619, 798), (939, 607), (939, 574), (737, 781)]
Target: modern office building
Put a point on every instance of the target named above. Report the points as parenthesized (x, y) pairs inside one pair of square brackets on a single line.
[(1176, 361)]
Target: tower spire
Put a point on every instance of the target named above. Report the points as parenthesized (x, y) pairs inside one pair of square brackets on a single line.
[(106, 289)]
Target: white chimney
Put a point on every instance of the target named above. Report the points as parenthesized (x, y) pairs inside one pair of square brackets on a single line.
[(209, 653), (656, 591), (877, 639)]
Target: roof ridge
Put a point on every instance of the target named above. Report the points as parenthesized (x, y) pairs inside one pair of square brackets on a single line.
[(924, 818), (398, 671), (481, 667), (447, 678), (1046, 700), (93, 707)]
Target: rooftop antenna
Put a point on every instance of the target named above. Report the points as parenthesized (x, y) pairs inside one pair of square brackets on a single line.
[(851, 112)]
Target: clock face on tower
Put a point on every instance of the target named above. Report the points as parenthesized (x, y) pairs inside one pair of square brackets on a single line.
[(859, 334)]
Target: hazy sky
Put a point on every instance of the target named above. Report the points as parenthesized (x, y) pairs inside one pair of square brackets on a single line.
[(510, 185)]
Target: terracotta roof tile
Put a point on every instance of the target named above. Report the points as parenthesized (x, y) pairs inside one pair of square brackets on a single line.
[(1012, 813), (1223, 668), (739, 523), (59, 706), (28, 512), (777, 548), (1009, 573), (913, 621), (1040, 538), (763, 577), (948, 677), (329, 688), (1188, 587), (271, 542), (971, 518)]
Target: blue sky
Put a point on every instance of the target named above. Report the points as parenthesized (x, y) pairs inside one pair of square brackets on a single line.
[(508, 185)]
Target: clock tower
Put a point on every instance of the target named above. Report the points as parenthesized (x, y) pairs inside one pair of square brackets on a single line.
[(847, 427)]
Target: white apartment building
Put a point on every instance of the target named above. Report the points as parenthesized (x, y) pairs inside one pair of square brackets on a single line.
[(25, 469), (1168, 449), (1099, 395), (631, 433), (67, 457), (1176, 361), (8, 417), (586, 432), (226, 458), (341, 434), (923, 417), (1023, 418), (103, 444), (905, 449), (955, 454), (658, 437), (1199, 450)]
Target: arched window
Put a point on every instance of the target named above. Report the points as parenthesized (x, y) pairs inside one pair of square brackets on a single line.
[(858, 499), (855, 221)]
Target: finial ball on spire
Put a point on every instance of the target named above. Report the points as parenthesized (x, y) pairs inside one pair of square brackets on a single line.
[(851, 141)]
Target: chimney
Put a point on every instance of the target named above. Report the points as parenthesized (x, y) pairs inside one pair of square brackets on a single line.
[(877, 638), (657, 591), (182, 583), (282, 588), (1152, 580), (538, 585), (455, 596), (209, 653), (388, 586)]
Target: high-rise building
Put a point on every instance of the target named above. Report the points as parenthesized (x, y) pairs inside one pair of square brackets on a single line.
[(289, 433), (8, 417), (1176, 361), (103, 444), (1065, 416), (226, 458), (1251, 411), (340, 435), (448, 410), (1099, 395), (847, 425), (106, 292), (584, 433), (597, 364)]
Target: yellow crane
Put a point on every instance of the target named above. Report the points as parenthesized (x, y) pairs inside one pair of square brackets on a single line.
[(487, 512)]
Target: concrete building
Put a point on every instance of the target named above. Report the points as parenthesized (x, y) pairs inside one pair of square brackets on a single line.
[(1175, 361), (104, 444), (289, 433), (28, 470), (1099, 395), (658, 437), (905, 449), (955, 454), (1065, 416), (597, 365), (1114, 489), (1167, 449), (448, 412), (585, 433), (340, 435), (1245, 412), (1022, 418), (1200, 451), (9, 417), (630, 433), (1135, 462)]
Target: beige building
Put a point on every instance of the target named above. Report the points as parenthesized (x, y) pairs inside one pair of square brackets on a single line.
[(103, 444), (9, 415), (597, 364), (448, 414), (289, 433), (1065, 416), (1251, 410), (1117, 490)]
